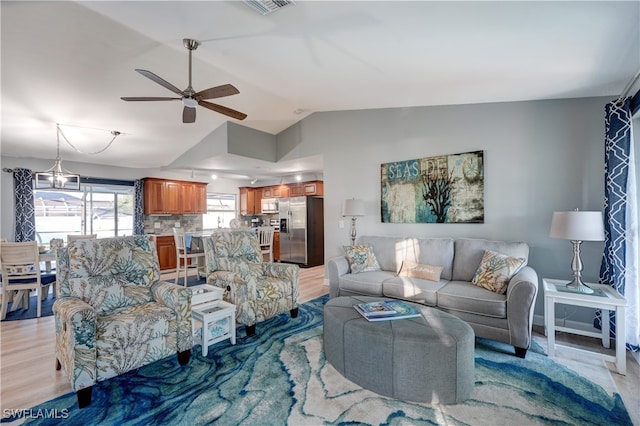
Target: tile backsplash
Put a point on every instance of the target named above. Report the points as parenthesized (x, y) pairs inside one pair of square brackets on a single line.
[(165, 224)]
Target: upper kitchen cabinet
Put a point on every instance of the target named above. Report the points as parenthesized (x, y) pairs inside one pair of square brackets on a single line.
[(193, 198), (306, 188), (174, 197), (248, 201), (276, 191)]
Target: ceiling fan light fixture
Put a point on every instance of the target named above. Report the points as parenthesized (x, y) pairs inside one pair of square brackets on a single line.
[(189, 102)]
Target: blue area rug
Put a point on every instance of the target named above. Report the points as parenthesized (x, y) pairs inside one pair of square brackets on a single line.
[(281, 377), (23, 313), (47, 304)]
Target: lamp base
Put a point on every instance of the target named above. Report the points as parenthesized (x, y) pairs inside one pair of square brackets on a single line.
[(579, 287)]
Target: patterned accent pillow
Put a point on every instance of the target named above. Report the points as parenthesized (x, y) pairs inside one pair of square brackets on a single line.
[(418, 270), (496, 270), (361, 259)]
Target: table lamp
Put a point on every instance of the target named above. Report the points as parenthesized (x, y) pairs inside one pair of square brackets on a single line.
[(353, 207), (577, 226)]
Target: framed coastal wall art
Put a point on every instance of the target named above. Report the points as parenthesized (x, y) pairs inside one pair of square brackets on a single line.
[(444, 189)]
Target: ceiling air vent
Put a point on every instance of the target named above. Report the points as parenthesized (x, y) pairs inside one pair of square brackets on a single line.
[(265, 7)]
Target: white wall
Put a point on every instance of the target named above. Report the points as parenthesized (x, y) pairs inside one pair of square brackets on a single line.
[(539, 157)]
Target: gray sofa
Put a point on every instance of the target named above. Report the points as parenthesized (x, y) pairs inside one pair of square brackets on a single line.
[(502, 317)]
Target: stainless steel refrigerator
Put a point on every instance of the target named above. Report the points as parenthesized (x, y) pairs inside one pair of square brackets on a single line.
[(302, 230)]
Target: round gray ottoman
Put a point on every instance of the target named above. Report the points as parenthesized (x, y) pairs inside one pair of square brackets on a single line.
[(423, 359)]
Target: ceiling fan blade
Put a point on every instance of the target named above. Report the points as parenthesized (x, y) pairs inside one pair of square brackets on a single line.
[(223, 110), (217, 92), (146, 98), (188, 115), (160, 81)]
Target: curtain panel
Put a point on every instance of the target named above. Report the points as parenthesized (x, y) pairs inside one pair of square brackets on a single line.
[(620, 261), (138, 207), (25, 219)]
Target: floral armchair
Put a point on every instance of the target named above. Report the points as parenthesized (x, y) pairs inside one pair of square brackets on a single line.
[(260, 290), (113, 314)]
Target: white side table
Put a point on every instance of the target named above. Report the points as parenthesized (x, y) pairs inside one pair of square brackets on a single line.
[(218, 319), (205, 293), (604, 297)]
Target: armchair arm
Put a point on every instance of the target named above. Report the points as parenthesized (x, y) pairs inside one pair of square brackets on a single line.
[(178, 299), (287, 272), (337, 267), (75, 322), (240, 288), (521, 298)]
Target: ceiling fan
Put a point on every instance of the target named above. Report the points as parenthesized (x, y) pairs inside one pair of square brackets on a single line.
[(189, 97)]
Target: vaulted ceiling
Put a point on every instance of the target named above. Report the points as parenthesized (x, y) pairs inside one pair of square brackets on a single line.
[(70, 62)]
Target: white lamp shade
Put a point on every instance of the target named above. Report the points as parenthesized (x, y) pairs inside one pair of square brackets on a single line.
[(577, 226), (353, 207)]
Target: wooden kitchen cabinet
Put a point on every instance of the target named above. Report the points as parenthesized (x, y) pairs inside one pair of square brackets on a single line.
[(193, 198), (306, 188), (201, 198), (247, 201), (163, 196), (276, 191), (276, 246), (166, 247)]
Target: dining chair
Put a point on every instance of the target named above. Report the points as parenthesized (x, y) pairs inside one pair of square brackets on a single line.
[(265, 238), (20, 265), (183, 255), (72, 237)]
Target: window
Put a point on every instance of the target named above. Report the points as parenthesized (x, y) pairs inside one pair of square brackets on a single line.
[(105, 210), (221, 209)]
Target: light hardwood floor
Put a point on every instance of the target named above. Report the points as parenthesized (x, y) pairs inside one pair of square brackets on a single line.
[(28, 376), (27, 352)]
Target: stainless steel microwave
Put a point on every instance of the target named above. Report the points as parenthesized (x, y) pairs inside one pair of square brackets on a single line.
[(269, 205)]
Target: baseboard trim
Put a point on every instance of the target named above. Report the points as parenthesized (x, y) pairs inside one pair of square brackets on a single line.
[(561, 322)]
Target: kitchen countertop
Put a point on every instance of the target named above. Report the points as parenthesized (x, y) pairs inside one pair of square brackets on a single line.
[(202, 233)]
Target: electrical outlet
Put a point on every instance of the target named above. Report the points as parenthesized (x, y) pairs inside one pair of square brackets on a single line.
[(156, 225), (177, 224), (341, 224)]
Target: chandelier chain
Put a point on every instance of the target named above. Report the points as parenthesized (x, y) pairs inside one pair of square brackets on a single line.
[(115, 134)]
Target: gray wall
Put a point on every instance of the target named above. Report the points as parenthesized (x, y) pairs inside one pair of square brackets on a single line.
[(539, 156)]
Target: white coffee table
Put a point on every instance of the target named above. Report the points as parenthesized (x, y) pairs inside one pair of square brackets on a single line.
[(218, 319), (605, 298)]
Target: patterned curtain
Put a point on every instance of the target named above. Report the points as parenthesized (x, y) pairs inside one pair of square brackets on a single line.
[(138, 210), (620, 261), (25, 211)]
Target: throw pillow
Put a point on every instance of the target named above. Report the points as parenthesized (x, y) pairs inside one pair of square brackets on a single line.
[(361, 259), (418, 270), (496, 270)]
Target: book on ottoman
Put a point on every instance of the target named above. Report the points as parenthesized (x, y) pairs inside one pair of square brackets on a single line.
[(386, 310)]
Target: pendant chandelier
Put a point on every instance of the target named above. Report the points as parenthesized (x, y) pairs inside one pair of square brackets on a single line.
[(57, 177)]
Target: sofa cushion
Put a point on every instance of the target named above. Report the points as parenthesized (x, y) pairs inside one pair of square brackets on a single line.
[(432, 251), (389, 251), (469, 253), (464, 296), (418, 270), (496, 270), (369, 283), (361, 258), (413, 289)]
